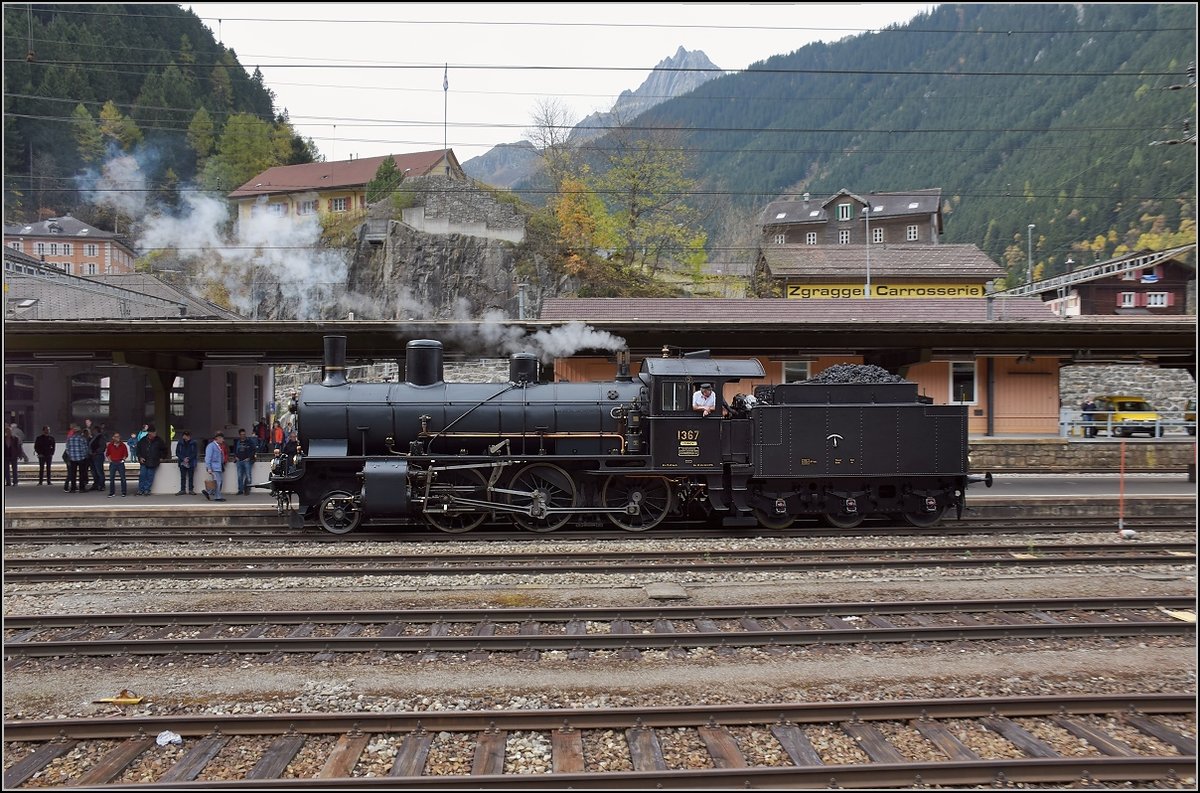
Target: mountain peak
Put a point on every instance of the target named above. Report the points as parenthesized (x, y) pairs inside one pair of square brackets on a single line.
[(505, 165)]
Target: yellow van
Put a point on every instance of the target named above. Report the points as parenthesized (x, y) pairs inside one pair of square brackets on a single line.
[(1128, 414), (1189, 414)]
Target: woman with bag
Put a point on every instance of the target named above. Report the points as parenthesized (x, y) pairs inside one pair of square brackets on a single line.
[(214, 463)]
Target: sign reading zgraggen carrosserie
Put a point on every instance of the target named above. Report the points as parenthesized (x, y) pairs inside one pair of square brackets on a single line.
[(884, 290)]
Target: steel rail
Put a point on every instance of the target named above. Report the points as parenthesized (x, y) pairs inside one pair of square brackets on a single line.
[(608, 718), (597, 613), (588, 642), (158, 533), (1001, 773), (259, 566)]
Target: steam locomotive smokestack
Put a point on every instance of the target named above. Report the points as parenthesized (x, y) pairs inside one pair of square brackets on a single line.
[(522, 368), (423, 362), (335, 361), (623, 366)]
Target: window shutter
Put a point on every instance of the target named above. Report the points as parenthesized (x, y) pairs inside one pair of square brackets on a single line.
[(1170, 299), (1139, 299), (1120, 299)]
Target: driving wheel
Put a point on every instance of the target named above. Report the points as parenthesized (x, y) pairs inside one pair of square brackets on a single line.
[(541, 486), (443, 514), (651, 494), (338, 514)]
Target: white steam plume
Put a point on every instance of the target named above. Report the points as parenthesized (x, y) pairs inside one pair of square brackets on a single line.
[(120, 184), (266, 257)]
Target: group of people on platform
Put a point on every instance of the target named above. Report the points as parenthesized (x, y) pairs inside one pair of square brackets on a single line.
[(89, 447)]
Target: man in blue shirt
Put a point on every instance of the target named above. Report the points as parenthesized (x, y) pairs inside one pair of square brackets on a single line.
[(79, 461), (244, 450)]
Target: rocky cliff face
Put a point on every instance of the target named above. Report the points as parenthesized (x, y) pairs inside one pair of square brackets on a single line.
[(414, 275), (511, 163)]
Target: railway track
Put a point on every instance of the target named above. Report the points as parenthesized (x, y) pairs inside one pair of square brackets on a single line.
[(626, 631), (909, 743), (93, 568), (206, 527)]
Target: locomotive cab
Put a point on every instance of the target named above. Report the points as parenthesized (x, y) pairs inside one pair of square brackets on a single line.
[(682, 441)]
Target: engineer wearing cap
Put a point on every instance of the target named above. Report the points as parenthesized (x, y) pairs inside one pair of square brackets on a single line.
[(704, 401)]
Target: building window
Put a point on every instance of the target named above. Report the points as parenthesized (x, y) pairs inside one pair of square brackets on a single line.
[(962, 382), (88, 268), (90, 396), (15, 245), (911, 234), (810, 238), (794, 371), (307, 208), (91, 251), (39, 248), (877, 236), (337, 205), (1156, 299), (1128, 299), (843, 211), (18, 388), (231, 398), (844, 237), (54, 249), (66, 249), (176, 397), (780, 239), (1131, 275), (279, 210)]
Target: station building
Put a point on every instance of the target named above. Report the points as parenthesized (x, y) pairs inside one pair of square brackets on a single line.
[(146, 382)]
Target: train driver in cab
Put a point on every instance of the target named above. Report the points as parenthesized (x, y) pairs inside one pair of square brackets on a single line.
[(704, 401)]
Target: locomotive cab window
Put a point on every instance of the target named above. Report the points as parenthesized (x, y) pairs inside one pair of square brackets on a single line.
[(676, 396)]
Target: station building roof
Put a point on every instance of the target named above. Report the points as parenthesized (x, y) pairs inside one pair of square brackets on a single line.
[(779, 310), (917, 262)]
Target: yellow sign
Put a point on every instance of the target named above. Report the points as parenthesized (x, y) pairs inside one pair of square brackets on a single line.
[(884, 290)]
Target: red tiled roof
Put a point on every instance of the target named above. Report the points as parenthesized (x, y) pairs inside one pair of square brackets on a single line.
[(333, 175), (780, 310), (838, 262)]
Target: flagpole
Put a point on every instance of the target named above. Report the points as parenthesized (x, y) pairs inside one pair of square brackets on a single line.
[(445, 108)]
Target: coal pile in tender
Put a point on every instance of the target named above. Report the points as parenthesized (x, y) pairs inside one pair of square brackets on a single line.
[(854, 373)]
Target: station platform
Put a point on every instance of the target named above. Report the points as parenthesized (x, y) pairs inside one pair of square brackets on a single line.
[(1012, 490)]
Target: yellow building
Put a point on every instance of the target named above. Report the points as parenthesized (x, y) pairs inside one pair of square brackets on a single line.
[(332, 187)]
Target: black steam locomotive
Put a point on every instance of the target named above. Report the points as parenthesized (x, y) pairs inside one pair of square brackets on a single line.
[(630, 452)]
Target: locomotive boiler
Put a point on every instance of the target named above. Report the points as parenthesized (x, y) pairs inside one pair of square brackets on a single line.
[(630, 452)]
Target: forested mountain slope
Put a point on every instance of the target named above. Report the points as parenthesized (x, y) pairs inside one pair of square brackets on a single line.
[(86, 83), (1051, 114)]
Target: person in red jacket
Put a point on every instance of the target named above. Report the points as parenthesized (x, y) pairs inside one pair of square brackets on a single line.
[(116, 452)]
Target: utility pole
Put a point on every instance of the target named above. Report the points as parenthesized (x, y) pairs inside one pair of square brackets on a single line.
[(1029, 261), (867, 218)]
